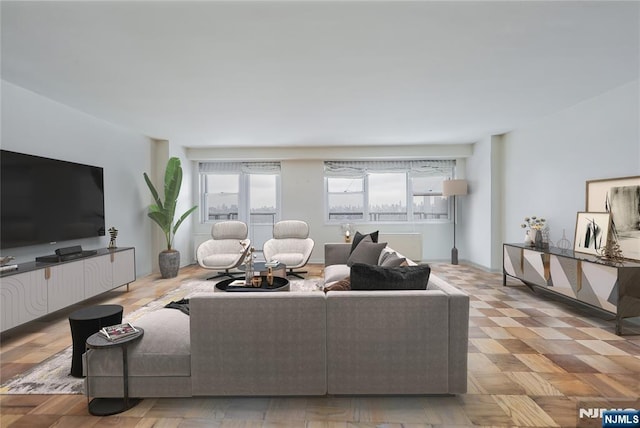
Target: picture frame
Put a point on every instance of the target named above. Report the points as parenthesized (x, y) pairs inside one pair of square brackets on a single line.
[(621, 198), (592, 232)]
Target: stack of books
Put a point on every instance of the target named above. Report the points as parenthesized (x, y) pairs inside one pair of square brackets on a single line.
[(118, 331)]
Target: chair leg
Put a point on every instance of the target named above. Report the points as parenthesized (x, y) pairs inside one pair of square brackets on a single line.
[(223, 274), (297, 274)]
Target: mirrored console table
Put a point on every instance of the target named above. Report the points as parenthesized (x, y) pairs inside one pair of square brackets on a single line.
[(583, 278)]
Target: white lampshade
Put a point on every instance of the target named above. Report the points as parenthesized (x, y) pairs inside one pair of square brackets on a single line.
[(454, 187)]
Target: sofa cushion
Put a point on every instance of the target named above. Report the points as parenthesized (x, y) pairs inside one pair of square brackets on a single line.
[(391, 259), (333, 273), (366, 252), (359, 237), (164, 349), (373, 277)]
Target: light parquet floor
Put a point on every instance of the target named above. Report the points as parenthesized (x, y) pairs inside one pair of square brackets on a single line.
[(533, 360)]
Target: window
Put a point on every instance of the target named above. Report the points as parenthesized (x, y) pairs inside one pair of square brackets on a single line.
[(346, 198), (221, 196), (263, 198), (428, 202), (245, 191), (387, 191)]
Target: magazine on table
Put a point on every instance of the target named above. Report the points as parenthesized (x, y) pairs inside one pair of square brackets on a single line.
[(118, 331)]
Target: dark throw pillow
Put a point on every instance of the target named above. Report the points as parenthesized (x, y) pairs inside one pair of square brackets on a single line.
[(359, 237), (366, 252), (373, 277), (343, 285)]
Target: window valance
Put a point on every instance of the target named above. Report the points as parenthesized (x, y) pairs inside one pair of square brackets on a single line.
[(238, 167), (417, 168)]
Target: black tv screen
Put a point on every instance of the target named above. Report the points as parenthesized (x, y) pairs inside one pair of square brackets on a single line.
[(47, 200)]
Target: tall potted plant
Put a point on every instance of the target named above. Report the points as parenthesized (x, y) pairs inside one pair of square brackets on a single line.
[(163, 214)]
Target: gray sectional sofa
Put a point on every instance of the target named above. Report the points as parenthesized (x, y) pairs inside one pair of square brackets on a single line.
[(296, 343)]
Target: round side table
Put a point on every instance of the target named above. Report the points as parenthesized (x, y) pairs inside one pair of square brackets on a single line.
[(112, 406), (86, 321)]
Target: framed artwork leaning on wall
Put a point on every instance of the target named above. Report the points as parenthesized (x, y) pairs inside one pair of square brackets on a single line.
[(621, 198), (592, 232)]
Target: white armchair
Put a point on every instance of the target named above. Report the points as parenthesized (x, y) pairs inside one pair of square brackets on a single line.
[(290, 245), (226, 250)]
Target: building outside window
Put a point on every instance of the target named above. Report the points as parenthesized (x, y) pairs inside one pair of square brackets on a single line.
[(387, 191), (245, 191)]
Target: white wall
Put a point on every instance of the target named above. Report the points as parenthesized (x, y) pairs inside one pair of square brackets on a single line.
[(474, 210), (547, 163), (303, 190), (36, 125)]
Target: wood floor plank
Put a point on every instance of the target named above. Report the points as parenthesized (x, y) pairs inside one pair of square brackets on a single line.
[(608, 386), (571, 363), (481, 363), (483, 410), (523, 411), (489, 346), (507, 363), (569, 384), (540, 363), (603, 364), (534, 384), (497, 384), (562, 410), (601, 347), (446, 412), (522, 332), (497, 333)]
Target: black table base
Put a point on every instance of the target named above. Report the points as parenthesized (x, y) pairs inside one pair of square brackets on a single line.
[(111, 406), (86, 321)]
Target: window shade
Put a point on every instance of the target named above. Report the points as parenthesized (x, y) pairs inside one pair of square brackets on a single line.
[(417, 168), (238, 167)]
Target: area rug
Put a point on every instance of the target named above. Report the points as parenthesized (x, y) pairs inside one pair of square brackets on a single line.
[(52, 375)]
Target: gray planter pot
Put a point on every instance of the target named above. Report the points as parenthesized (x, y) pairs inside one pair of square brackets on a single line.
[(169, 262)]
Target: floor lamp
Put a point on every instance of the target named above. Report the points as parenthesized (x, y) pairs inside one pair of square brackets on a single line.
[(454, 188)]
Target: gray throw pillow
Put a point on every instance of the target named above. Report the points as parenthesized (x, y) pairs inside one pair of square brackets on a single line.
[(392, 260), (373, 277), (366, 252)]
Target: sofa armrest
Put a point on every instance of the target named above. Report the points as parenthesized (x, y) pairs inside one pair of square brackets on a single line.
[(336, 253), (458, 333)]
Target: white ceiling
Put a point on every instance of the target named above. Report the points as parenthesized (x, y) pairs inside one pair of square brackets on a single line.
[(297, 73)]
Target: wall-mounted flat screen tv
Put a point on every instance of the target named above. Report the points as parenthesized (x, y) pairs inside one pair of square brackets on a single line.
[(48, 200)]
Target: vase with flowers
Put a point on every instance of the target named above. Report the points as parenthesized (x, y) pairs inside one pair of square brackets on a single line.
[(534, 226)]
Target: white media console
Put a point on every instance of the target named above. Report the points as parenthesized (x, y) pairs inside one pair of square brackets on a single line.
[(36, 289)]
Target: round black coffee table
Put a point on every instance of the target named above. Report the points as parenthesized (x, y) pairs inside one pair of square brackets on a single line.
[(112, 406), (279, 284), (86, 321)]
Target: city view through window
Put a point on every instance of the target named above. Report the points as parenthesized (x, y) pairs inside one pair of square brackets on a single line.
[(384, 195), (224, 198)]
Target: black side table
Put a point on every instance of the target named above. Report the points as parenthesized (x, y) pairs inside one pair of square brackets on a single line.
[(86, 321), (111, 406)]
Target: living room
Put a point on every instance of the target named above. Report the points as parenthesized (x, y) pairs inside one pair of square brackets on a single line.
[(562, 108)]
